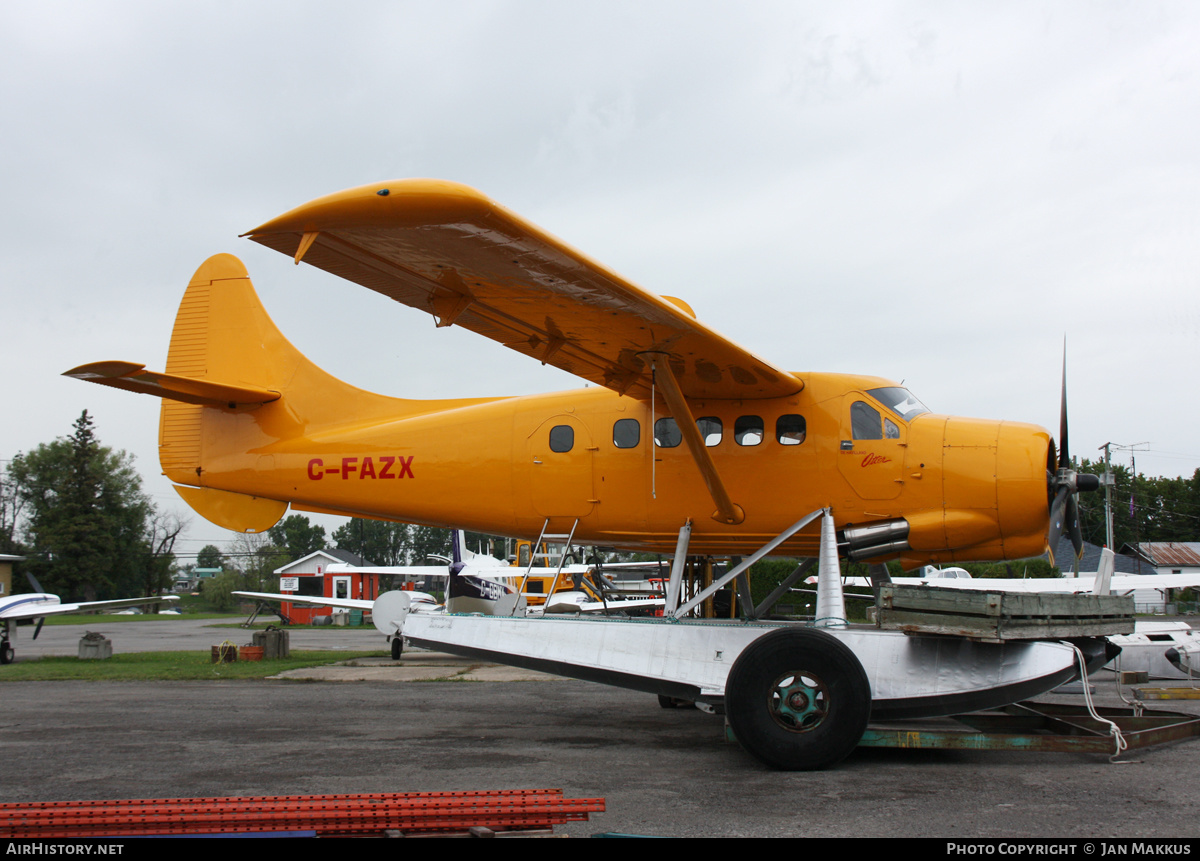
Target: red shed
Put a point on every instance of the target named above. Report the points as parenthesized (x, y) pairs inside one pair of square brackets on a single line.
[(311, 576)]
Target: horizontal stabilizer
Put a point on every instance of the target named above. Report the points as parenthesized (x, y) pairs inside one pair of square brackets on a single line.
[(135, 378), (236, 511)]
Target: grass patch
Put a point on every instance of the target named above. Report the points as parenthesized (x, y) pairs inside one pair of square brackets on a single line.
[(167, 666), (219, 620), (107, 618)]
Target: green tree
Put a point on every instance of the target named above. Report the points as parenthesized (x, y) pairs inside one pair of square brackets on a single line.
[(379, 541), (209, 557), (257, 558), (218, 591), (85, 515), (155, 557), (1145, 508), (297, 537), (425, 541), (11, 504)]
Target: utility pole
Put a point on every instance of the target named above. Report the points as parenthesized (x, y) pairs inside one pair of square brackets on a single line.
[(1109, 481)]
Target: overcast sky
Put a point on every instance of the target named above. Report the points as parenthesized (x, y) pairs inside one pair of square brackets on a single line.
[(932, 192)]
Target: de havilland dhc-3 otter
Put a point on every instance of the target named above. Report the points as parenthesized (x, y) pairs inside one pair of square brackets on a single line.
[(686, 443)]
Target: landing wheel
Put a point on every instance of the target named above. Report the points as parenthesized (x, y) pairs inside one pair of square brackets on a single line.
[(7, 654), (397, 648), (798, 699)]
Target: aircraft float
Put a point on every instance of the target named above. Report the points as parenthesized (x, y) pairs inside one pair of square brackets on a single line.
[(687, 442)]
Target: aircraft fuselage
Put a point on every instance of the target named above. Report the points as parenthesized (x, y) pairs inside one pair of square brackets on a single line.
[(966, 487)]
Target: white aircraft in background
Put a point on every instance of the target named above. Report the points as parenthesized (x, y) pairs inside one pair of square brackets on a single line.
[(29, 606), (1164, 650), (476, 583), (1185, 657), (1103, 582), (479, 591)]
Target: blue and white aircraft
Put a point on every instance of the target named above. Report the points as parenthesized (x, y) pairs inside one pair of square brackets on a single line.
[(36, 606)]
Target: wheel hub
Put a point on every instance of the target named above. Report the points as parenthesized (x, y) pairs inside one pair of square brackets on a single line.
[(798, 701)]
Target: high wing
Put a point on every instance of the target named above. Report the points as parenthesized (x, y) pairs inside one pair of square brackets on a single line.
[(1119, 584), (39, 604), (315, 601), (446, 249), (422, 571)]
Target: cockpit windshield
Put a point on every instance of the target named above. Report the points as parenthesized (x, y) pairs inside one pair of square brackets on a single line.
[(900, 401)]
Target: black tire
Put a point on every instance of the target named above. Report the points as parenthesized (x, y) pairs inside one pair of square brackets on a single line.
[(798, 699), (665, 702), (7, 654), (397, 648)]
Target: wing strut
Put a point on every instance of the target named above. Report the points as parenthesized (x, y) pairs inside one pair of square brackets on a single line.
[(727, 511), (750, 560)]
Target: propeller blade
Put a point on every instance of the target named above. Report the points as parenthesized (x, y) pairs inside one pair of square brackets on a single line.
[(1057, 520), (38, 629), (1064, 456), (1073, 526)]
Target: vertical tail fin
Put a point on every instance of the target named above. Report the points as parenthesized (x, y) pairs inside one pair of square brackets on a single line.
[(234, 387), (458, 552), (1104, 572)]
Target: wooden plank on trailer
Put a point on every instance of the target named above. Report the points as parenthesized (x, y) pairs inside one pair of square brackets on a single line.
[(997, 615)]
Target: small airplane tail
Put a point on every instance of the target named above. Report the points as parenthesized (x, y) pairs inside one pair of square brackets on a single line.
[(1104, 573), (458, 552), (233, 386)]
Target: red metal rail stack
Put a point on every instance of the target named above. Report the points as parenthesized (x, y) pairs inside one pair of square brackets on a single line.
[(326, 815)]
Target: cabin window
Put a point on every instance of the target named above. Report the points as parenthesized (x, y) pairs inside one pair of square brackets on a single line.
[(890, 429), (667, 433), (748, 430), (627, 433), (790, 429), (711, 429), (562, 438), (864, 421)]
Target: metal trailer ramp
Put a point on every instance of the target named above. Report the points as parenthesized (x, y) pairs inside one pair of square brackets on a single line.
[(1036, 728), (483, 813)]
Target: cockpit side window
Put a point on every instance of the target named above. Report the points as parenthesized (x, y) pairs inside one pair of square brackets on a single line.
[(865, 421), (900, 401)]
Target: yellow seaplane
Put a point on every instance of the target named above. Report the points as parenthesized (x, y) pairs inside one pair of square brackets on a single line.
[(682, 429)]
